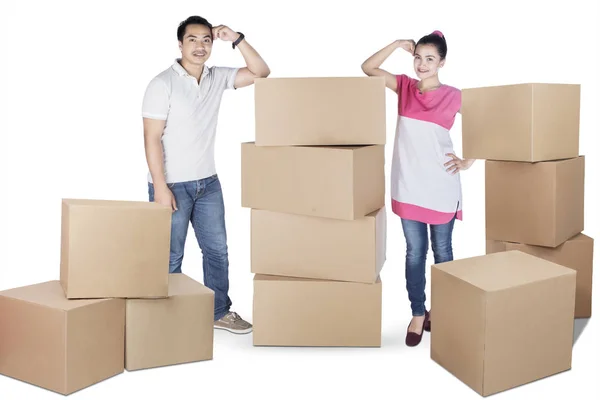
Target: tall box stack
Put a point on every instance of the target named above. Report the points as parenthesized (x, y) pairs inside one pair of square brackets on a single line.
[(529, 136), (536, 275), (109, 309), (315, 183)]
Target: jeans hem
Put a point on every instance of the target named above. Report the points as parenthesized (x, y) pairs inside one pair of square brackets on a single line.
[(419, 313), (221, 314)]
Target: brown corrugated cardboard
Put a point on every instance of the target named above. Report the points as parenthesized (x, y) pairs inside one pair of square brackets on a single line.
[(522, 122), (502, 320), (307, 312), (320, 111), (576, 253), (534, 203), (319, 248), (58, 344), (174, 330), (341, 182), (114, 248)]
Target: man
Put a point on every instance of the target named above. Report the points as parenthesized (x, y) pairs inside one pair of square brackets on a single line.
[(180, 111)]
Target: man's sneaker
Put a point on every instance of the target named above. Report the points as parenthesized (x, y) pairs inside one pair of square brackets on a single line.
[(232, 322)]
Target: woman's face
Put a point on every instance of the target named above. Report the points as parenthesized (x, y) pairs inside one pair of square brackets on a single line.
[(427, 61)]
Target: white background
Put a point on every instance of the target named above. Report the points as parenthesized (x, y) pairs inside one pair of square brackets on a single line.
[(73, 76)]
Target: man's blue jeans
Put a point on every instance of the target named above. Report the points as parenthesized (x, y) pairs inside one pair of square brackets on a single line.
[(201, 203), (417, 246)]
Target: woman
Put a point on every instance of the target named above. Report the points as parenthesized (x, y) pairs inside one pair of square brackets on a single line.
[(426, 189)]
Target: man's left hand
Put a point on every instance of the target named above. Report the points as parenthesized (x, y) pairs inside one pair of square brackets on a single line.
[(457, 164), (224, 33)]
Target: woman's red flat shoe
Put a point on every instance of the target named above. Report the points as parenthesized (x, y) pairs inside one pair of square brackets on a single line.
[(412, 338)]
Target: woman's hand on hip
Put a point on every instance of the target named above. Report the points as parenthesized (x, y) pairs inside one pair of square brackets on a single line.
[(457, 164)]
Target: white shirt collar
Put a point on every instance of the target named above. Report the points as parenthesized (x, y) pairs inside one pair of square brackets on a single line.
[(181, 71)]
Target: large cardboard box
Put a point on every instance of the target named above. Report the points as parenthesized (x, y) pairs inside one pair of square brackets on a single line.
[(175, 330), (341, 182), (114, 248), (309, 312), (58, 344), (319, 248), (502, 320), (576, 253), (522, 122), (320, 111), (534, 203)]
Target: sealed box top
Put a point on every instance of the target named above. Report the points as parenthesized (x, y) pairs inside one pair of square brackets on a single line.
[(182, 285), (547, 165), (499, 271), (277, 278), (48, 294), (525, 86), (113, 203)]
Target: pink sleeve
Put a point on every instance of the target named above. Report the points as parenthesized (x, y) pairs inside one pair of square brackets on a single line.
[(458, 100), (401, 81)]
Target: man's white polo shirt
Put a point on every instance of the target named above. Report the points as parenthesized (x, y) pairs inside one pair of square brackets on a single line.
[(191, 112)]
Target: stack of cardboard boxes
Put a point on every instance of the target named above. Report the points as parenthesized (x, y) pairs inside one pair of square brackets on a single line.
[(315, 183), (115, 307), (506, 318)]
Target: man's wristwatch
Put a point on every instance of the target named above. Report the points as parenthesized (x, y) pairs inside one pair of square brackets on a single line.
[(238, 40)]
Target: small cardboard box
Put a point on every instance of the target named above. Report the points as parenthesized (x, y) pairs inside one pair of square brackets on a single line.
[(114, 248), (502, 320), (576, 253), (340, 182), (174, 330), (521, 122), (320, 111), (308, 312), (58, 344), (540, 204), (318, 248)]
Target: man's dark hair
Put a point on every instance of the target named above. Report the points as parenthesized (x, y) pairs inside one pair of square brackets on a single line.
[(193, 20)]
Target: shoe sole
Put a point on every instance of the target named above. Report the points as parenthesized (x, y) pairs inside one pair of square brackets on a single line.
[(236, 331)]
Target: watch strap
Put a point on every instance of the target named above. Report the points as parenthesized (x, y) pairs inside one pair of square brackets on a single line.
[(238, 40)]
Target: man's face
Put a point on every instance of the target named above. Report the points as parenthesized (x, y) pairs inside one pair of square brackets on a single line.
[(196, 45)]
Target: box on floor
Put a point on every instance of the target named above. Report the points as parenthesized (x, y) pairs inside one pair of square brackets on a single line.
[(59, 344), (174, 330), (502, 320), (576, 253), (310, 312)]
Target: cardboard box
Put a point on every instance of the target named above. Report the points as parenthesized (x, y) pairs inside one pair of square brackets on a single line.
[(330, 182), (58, 344), (523, 122), (576, 253), (534, 203), (318, 248), (502, 320), (175, 330), (308, 312), (320, 111), (114, 248)]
